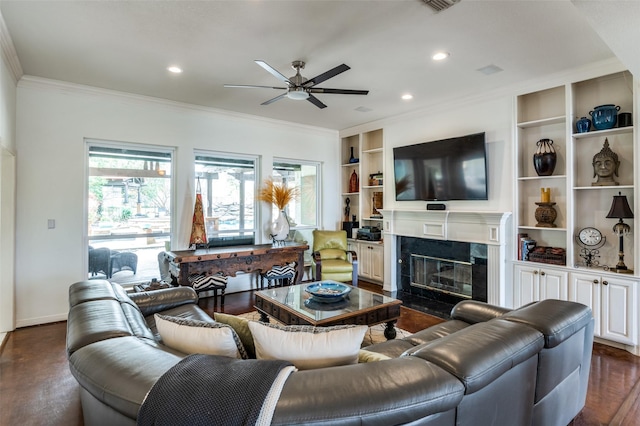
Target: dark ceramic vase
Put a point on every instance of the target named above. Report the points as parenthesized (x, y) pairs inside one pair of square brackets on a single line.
[(544, 159)]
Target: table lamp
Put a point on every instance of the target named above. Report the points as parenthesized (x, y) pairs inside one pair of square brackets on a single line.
[(620, 210)]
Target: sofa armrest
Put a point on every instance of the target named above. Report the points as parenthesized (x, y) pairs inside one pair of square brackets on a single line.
[(151, 302), (472, 312)]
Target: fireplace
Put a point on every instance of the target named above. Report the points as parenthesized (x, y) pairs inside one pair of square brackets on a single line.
[(457, 255), (441, 273)]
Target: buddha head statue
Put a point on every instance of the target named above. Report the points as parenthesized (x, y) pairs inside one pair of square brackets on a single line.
[(605, 165)]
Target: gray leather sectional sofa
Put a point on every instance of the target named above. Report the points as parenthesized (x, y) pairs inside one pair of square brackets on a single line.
[(487, 365)]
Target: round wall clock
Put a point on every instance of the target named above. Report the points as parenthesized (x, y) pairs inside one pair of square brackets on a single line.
[(590, 236)]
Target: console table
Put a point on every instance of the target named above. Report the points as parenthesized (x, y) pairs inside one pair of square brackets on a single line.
[(230, 260)]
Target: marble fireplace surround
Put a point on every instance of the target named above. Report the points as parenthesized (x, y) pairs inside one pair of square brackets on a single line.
[(490, 228)]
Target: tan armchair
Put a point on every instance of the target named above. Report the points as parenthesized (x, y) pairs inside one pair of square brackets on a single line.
[(331, 259)]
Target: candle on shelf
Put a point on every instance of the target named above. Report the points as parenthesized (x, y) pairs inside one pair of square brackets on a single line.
[(545, 195)]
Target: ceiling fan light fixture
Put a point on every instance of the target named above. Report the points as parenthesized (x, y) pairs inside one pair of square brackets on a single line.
[(297, 94)]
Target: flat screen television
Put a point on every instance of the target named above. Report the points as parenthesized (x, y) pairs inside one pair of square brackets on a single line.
[(447, 169)]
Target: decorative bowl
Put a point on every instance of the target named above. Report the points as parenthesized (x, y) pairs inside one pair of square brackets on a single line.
[(327, 291)]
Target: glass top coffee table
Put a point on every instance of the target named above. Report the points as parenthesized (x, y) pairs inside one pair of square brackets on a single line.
[(292, 305)]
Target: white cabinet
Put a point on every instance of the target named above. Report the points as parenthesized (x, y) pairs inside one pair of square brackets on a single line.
[(371, 259), (613, 301), (533, 283)]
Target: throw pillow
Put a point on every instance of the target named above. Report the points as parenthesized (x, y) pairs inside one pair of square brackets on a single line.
[(308, 347), (241, 327), (369, 356), (199, 337)]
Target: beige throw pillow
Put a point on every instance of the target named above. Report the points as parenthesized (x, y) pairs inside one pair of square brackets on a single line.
[(199, 337), (308, 347)]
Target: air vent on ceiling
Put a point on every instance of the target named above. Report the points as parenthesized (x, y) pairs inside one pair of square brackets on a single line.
[(439, 5)]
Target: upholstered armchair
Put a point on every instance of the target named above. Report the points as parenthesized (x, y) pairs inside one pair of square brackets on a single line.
[(331, 259)]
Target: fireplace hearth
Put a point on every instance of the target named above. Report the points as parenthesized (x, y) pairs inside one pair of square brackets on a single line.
[(434, 275)]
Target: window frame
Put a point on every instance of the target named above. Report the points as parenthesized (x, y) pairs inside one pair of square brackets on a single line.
[(318, 167)]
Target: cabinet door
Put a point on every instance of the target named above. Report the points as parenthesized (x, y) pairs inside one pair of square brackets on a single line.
[(553, 284), (585, 289), (364, 257), (619, 314), (377, 262), (526, 287)]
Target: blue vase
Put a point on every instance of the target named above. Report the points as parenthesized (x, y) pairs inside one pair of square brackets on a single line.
[(583, 125)]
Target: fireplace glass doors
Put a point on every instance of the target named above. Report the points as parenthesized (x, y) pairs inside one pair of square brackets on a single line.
[(442, 275)]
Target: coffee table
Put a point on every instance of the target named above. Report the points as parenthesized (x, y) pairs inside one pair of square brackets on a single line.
[(292, 305)]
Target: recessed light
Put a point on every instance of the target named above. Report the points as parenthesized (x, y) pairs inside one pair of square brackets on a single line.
[(439, 56), (407, 96), (174, 69)]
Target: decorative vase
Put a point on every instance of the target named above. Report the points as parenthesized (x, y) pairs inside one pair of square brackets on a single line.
[(544, 159), (583, 125), (605, 116), (353, 182), (280, 227), (353, 159)]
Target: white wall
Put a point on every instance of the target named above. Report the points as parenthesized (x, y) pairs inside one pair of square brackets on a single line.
[(7, 196), (53, 121)]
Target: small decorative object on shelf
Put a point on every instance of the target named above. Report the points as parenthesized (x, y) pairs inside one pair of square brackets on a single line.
[(625, 119), (605, 165), (377, 205), (604, 116), (544, 159), (353, 182), (375, 179), (353, 159), (620, 210), (347, 209), (545, 195), (550, 255), (545, 213), (527, 247), (590, 241), (583, 125)]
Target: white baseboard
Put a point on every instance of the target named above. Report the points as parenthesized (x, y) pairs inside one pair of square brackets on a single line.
[(27, 322)]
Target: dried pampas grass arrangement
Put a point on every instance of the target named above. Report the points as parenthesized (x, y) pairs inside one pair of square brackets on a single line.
[(277, 193)]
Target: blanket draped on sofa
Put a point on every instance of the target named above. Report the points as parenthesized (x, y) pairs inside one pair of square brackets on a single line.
[(211, 389)]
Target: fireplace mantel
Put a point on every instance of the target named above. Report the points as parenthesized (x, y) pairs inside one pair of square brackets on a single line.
[(484, 227)]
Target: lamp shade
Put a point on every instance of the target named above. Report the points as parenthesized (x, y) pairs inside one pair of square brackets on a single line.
[(620, 208)]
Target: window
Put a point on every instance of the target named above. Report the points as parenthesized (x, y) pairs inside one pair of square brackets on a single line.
[(303, 212), (228, 187), (128, 210)]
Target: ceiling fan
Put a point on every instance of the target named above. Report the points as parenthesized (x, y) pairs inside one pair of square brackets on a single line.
[(300, 88)]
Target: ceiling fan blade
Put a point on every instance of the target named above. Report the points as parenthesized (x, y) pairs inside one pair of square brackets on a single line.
[(273, 71), (277, 98), (338, 91), (326, 75), (248, 86), (316, 101)]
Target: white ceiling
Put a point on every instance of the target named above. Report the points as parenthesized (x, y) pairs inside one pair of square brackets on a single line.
[(127, 46)]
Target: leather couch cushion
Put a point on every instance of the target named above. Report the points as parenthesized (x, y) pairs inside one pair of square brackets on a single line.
[(151, 302), (556, 319), (120, 371), (84, 291), (393, 392), (472, 312), (482, 352), (95, 321)]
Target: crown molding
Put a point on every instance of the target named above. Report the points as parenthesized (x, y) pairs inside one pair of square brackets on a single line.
[(9, 53)]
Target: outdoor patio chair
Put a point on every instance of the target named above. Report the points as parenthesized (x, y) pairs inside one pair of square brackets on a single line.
[(100, 261), (124, 260)]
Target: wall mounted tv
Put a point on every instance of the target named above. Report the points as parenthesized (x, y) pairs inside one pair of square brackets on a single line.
[(448, 169)]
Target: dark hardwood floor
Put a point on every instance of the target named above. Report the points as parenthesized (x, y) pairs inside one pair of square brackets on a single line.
[(36, 387)]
